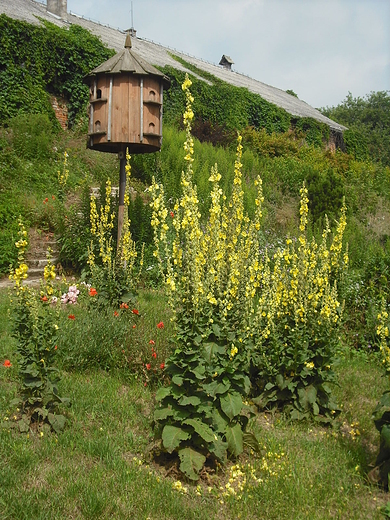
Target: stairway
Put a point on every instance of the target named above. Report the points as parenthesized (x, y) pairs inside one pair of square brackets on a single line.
[(39, 242)]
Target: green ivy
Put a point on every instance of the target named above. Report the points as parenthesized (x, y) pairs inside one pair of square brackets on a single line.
[(38, 60)]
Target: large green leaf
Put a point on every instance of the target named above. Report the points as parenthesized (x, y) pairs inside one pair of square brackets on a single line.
[(24, 424), (191, 462), (219, 448), (211, 349), (231, 404), (235, 439), (201, 429), (57, 422), (216, 387), (163, 392), (172, 436), (193, 400), (307, 396), (199, 372), (162, 413), (219, 421), (251, 441), (177, 380)]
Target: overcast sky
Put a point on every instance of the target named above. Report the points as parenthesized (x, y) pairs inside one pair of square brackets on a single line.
[(321, 49)]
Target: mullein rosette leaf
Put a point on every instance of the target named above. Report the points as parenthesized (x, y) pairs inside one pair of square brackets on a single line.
[(201, 415)]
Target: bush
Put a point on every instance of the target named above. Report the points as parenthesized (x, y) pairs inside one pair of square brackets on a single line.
[(32, 136)]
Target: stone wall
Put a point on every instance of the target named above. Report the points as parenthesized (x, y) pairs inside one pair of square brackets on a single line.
[(61, 111)]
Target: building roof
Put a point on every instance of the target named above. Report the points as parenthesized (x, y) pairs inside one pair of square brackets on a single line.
[(159, 55)]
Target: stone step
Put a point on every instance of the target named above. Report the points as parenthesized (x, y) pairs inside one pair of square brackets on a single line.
[(41, 262)]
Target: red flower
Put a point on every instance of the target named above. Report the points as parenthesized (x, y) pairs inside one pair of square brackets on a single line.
[(55, 348), (160, 325), (123, 306), (116, 313), (7, 363), (152, 342), (92, 291), (53, 197), (135, 311), (134, 326), (46, 200), (162, 366), (72, 317), (154, 355), (44, 298), (148, 366), (172, 214)]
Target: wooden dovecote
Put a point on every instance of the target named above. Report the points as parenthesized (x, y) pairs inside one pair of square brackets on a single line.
[(126, 99)]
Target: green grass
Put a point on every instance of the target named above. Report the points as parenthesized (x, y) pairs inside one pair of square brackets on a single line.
[(100, 466)]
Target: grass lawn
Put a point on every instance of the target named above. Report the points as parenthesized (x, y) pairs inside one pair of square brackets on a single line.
[(100, 466)]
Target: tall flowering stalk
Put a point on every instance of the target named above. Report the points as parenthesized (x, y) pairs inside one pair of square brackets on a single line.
[(206, 273), (35, 329), (297, 322), (62, 177), (20, 273), (112, 269)]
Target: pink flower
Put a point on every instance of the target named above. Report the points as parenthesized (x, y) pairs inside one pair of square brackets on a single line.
[(7, 363), (160, 325)]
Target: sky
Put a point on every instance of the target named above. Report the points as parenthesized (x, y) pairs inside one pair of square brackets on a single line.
[(320, 49)]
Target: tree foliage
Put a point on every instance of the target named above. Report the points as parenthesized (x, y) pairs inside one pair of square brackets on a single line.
[(368, 122)]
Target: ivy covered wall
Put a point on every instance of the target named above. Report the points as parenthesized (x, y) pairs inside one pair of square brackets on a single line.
[(36, 61)]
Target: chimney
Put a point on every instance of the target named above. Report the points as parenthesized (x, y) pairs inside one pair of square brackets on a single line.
[(58, 7), (226, 62)]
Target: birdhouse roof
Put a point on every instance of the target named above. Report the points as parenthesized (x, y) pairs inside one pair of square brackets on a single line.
[(128, 61)]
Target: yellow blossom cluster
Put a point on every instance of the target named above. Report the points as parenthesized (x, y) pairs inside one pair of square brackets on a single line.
[(127, 248), (49, 273), (20, 272), (64, 174), (101, 226), (300, 290), (208, 267), (383, 333)]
